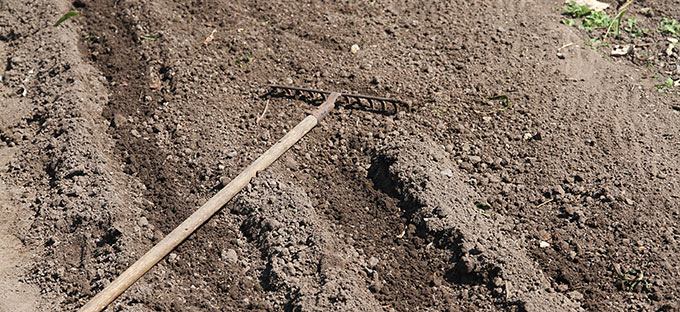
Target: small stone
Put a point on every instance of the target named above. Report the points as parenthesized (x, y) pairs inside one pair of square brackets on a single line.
[(621, 50), (669, 50), (562, 287), (231, 154), (647, 12), (224, 180), (376, 285), (560, 56), (447, 172), (436, 281), (143, 222), (543, 244), (572, 255), (672, 40), (118, 120), (486, 119), (474, 159), (466, 166), (229, 256), (172, 257), (372, 262), (575, 295), (135, 133), (527, 136), (355, 48)]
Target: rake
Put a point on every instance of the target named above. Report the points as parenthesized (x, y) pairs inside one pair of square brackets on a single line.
[(202, 214)]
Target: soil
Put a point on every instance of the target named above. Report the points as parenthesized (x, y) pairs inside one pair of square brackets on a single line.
[(532, 172)]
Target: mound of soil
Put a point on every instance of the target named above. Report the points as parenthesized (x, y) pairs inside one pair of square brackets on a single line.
[(532, 173)]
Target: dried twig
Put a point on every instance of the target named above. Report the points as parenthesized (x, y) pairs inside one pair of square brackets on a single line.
[(507, 291), (210, 38), (544, 203), (264, 111)]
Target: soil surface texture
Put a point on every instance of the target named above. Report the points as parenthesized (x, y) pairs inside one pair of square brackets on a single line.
[(529, 168)]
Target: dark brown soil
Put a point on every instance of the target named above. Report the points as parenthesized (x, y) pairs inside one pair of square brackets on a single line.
[(120, 122)]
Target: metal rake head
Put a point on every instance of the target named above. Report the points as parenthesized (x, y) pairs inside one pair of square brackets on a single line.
[(367, 102)]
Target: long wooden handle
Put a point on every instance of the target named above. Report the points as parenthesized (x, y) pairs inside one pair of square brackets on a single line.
[(180, 233)]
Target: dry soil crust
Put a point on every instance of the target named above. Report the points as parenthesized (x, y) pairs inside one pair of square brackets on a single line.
[(120, 122)]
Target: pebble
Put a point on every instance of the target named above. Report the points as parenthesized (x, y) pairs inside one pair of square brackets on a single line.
[(230, 256), (447, 172), (466, 166), (231, 155), (562, 287), (372, 262), (354, 49), (572, 255), (143, 222), (474, 159), (575, 295), (544, 244), (135, 133)]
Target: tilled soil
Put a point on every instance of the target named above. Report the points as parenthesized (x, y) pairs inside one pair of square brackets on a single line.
[(119, 123)]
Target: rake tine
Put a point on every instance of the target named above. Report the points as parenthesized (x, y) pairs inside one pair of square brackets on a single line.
[(350, 98)]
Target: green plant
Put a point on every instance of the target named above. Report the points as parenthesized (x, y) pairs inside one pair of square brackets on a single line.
[(576, 10), (66, 16), (569, 22), (667, 86), (597, 19), (615, 24), (633, 29), (244, 59), (670, 27), (632, 278), (148, 37)]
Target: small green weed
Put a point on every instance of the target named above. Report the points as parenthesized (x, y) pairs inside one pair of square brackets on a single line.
[(595, 20), (667, 86), (670, 27), (244, 59), (148, 37), (577, 11), (633, 29), (66, 16), (632, 278)]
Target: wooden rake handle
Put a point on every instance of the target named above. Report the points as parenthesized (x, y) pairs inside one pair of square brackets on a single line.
[(200, 216)]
